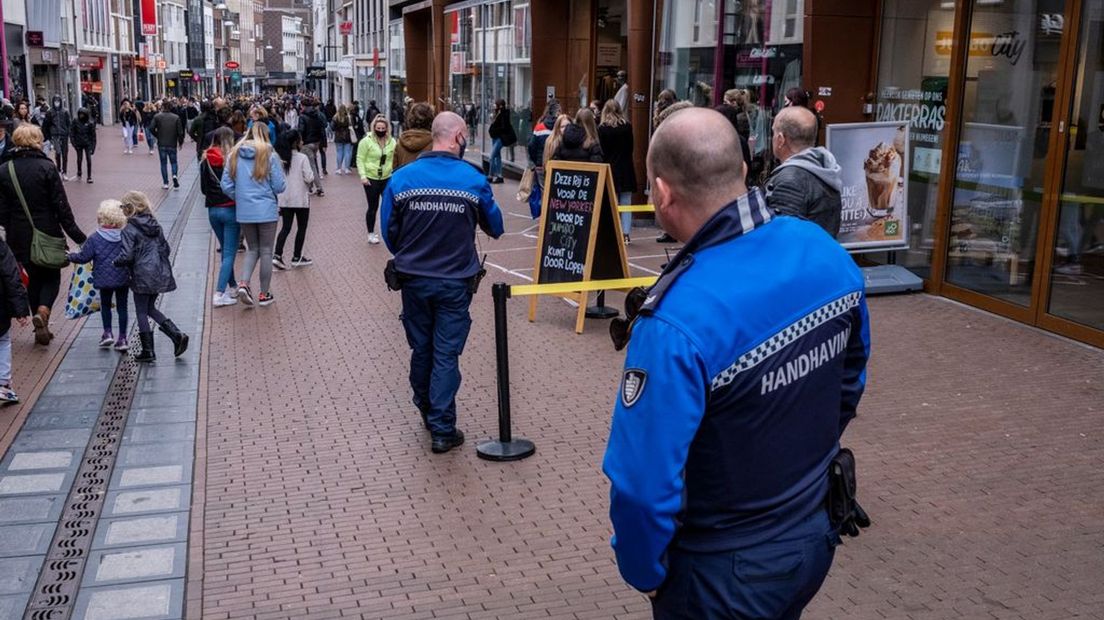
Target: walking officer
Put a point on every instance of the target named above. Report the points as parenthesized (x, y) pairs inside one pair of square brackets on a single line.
[(428, 217), (746, 362)]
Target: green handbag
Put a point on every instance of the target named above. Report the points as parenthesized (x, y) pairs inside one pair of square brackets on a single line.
[(46, 250)]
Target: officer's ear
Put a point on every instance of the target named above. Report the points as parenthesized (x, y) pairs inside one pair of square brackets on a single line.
[(662, 194)]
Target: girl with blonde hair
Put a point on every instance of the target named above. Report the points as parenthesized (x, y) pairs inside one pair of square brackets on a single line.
[(615, 134), (252, 178)]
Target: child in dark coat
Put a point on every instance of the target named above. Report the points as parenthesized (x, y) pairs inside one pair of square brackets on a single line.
[(13, 305), (145, 254), (102, 248)]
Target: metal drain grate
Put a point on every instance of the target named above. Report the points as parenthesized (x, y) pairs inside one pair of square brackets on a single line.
[(56, 590)]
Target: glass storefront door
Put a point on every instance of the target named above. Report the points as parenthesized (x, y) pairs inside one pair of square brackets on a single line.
[(1077, 271), (1008, 111), (1026, 219)]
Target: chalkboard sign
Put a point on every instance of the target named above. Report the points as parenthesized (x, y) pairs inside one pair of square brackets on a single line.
[(580, 233), (569, 216)]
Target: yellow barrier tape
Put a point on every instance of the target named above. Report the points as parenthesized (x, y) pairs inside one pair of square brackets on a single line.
[(522, 290), (636, 209)]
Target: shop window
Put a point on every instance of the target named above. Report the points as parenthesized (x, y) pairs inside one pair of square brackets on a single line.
[(759, 53), (912, 88)]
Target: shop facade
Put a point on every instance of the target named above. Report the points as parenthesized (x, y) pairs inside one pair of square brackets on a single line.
[(1004, 100)]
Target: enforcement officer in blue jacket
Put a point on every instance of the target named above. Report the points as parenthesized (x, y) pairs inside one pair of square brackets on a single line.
[(745, 364), (428, 217)]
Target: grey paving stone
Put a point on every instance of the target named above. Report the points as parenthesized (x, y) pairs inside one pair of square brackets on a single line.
[(44, 439), (160, 499), (65, 404), (157, 385), (75, 388), (89, 358), (30, 509), (26, 539), (161, 415), (180, 398), (18, 575), (51, 420), (52, 459), (168, 453), (83, 376), (159, 600), (13, 607), (153, 475), (151, 433), (21, 484), (141, 530), (169, 371), (151, 563)]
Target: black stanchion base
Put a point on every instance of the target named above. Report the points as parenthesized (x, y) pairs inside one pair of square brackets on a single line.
[(602, 312), (494, 450)]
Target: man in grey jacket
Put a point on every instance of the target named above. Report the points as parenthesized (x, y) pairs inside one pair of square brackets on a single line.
[(807, 184), (168, 128)]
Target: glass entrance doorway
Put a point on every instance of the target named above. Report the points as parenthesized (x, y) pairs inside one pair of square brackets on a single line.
[(1026, 218)]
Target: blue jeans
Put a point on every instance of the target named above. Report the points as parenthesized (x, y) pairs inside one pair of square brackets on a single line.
[(775, 579), (344, 155), (151, 140), (496, 157), (225, 224), (168, 155), (121, 296), (436, 319), (625, 199)]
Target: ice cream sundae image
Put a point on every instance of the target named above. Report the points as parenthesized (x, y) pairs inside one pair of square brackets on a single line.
[(883, 171)]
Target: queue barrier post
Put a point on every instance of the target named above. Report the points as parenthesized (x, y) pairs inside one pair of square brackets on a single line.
[(600, 310), (506, 447)]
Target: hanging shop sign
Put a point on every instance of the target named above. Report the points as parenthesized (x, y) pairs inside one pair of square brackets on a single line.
[(230, 64), (149, 17), (345, 28), (35, 38), (315, 73), (186, 74), (873, 158)]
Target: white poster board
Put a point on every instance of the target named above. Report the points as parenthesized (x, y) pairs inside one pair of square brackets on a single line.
[(874, 162)]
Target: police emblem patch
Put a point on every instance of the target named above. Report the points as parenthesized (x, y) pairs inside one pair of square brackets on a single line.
[(632, 386)]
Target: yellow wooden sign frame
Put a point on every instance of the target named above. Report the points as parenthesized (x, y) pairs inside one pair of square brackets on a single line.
[(605, 189)]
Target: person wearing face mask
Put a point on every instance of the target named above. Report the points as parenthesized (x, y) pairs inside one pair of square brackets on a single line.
[(375, 161), (56, 129), (429, 214)]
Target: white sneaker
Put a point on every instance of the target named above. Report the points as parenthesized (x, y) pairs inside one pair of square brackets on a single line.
[(373, 238), (164, 186), (224, 299)]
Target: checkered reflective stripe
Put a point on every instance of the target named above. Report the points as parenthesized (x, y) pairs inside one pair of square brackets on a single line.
[(437, 192), (784, 338)]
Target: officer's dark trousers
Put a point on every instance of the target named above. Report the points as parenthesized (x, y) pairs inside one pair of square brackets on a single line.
[(774, 580), (436, 320)]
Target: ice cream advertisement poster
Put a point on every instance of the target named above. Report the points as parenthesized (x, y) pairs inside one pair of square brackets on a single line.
[(873, 159)]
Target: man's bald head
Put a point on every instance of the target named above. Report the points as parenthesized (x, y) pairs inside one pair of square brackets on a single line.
[(798, 128), (697, 153), (446, 126)]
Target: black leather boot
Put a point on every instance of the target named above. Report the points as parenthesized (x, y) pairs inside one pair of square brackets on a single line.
[(179, 338), (147, 354)]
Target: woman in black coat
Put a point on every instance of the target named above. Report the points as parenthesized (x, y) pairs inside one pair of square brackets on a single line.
[(82, 135), (615, 134), (502, 134), (49, 207)]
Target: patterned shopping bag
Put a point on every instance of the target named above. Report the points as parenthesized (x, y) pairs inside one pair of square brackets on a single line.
[(83, 298)]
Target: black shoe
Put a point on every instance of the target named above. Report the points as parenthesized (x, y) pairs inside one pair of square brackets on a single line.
[(147, 354), (665, 238), (179, 338), (89, 179), (176, 183), (425, 419), (444, 444)]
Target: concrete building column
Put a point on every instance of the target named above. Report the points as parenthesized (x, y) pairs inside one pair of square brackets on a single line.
[(640, 17)]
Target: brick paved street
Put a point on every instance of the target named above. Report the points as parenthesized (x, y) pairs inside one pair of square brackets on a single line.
[(115, 174), (313, 493), (979, 445)]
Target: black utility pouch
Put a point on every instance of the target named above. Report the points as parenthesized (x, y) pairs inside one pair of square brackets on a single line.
[(392, 277), (473, 282), (844, 510)]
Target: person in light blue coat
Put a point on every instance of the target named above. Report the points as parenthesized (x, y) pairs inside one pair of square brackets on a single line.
[(252, 178)]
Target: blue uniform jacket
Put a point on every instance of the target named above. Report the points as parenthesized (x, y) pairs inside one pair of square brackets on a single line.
[(745, 365), (429, 212)]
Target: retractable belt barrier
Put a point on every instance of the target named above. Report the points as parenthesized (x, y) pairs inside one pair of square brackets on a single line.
[(507, 447)]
